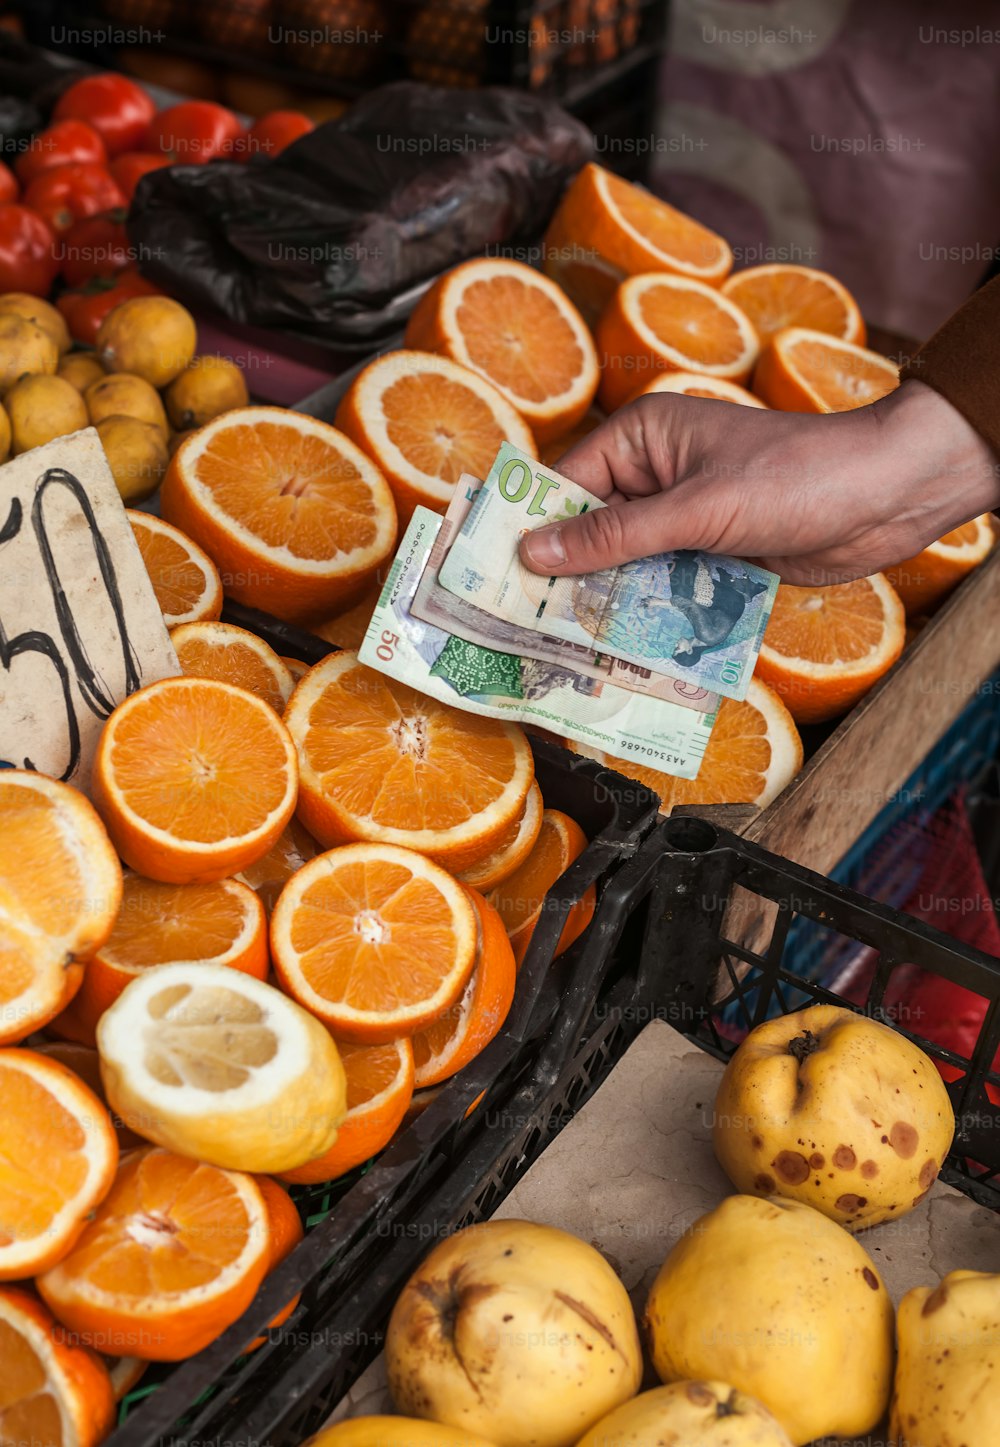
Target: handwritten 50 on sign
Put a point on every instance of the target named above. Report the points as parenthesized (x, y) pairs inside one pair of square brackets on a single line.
[(79, 623)]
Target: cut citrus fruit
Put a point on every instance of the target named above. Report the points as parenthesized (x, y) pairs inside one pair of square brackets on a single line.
[(58, 1160), (753, 752), (922, 582), (588, 281), (285, 1226), (807, 371), (824, 648), (552, 451), (659, 323), (222, 923), (295, 666), (233, 655), (379, 1089), (782, 294), (173, 1255), (85, 1063), (520, 899), (691, 384), (52, 1393), (294, 847), (606, 222), (211, 1063), (515, 846), (184, 578), (195, 779), (425, 420), (348, 629), (380, 761), (517, 329), (466, 1027), (60, 888), (126, 1373), (296, 518), (373, 940)]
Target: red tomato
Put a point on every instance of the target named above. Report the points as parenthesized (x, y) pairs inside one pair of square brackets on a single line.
[(68, 193), (84, 310), (60, 145), (9, 189), (27, 262), (272, 133), (128, 170), (95, 246), (117, 107), (194, 132)]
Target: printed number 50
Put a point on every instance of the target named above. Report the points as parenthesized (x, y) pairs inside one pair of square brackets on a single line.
[(387, 647)]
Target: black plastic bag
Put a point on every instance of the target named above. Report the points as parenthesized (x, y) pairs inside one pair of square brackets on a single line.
[(31, 81), (326, 239)]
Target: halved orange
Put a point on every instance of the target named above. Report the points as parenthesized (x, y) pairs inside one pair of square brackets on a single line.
[(234, 655), (517, 329), (195, 779), (692, 384), (173, 1255), (585, 277), (374, 940), (753, 752), (85, 1063), (442, 1048), (285, 1225), (58, 1160), (924, 581), (184, 578), (658, 323), (60, 889), (295, 666), (126, 1373), (52, 1391), (781, 294), (807, 371), (515, 846), (605, 222), (222, 923), (552, 451), (824, 648), (426, 420), (267, 875), (379, 1089), (295, 517), (522, 896), (380, 761)]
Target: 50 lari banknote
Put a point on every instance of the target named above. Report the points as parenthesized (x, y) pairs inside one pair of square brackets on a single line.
[(697, 617), (649, 730)]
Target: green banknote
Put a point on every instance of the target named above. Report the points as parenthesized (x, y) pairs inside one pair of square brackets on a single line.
[(617, 721), (697, 617)]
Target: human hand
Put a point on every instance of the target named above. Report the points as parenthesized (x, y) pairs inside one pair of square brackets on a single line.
[(817, 499)]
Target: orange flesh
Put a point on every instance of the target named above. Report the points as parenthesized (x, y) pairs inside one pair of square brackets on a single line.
[(200, 764), (670, 231), (290, 489), (400, 758), (441, 427), (42, 1162), (836, 624), (167, 1226), (842, 379), (231, 661), (20, 961), (159, 923), (293, 847), (734, 767), (42, 881), (374, 935), (28, 1411), (519, 337), (789, 300), (692, 324), (519, 898), (370, 1069), (964, 537), (177, 582)]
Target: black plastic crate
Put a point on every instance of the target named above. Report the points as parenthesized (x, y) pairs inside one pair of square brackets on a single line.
[(350, 1222)]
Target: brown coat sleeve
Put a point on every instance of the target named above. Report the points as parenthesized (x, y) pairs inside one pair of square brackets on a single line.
[(962, 362)]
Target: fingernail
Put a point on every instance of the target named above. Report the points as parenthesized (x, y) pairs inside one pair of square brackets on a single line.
[(545, 548)]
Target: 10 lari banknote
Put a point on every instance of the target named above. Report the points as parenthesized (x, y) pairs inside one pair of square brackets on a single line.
[(663, 734), (696, 617)]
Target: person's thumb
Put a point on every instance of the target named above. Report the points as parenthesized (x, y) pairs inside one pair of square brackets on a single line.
[(607, 536)]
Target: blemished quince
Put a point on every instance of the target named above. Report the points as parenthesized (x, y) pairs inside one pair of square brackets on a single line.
[(699, 1414), (781, 1302), (947, 1390), (516, 1332), (835, 1109)]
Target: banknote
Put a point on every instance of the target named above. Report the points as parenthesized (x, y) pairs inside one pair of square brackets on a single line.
[(434, 604), (699, 617), (616, 721)]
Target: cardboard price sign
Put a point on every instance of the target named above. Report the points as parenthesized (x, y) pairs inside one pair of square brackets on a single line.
[(80, 627)]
